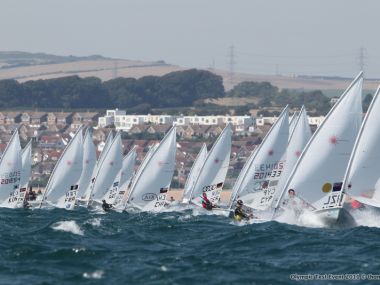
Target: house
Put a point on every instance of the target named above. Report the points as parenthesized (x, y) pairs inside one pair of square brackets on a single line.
[(99, 135), (197, 131), (181, 131), (158, 129), (215, 131), (33, 119), (84, 118), (2, 118), (51, 141), (51, 155), (138, 129), (11, 118), (60, 119)]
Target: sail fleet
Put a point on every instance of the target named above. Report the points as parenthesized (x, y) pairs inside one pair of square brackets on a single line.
[(291, 170)]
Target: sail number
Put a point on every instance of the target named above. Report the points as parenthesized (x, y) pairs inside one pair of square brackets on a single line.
[(161, 201), (333, 201), (267, 195), (70, 195)]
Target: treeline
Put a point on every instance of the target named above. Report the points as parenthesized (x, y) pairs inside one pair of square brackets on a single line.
[(270, 96), (176, 89), (267, 95), (182, 91)]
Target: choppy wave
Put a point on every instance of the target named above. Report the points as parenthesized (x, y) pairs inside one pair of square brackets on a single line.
[(68, 226), (187, 247)]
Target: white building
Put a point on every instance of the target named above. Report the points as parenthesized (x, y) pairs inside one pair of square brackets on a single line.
[(261, 121), (317, 121), (245, 121), (109, 118), (125, 122)]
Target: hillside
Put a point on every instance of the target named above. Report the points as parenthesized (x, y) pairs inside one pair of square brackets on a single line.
[(25, 66)]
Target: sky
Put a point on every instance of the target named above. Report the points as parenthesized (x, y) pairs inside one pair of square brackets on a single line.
[(289, 37)]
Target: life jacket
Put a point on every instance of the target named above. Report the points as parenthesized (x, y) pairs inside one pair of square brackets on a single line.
[(206, 204)]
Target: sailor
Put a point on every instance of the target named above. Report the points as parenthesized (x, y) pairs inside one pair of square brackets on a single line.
[(106, 207), (291, 198), (31, 195), (239, 212), (206, 203)]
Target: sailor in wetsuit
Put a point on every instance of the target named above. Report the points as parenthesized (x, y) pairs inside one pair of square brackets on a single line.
[(106, 207), (206, 203), (239, 212)]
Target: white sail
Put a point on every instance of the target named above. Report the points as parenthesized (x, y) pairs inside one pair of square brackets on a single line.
[(214, 170), (89, 163), (363, 171), (318, 174), (26, 160), (152, 181), (62, 187), (257, 183), (123, 203), (194, 173), (298, 139), (119, 186), (107, 169), (10, 173), (107, 145)]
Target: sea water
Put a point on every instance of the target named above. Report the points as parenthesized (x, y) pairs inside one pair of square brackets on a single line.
[(188, 247)]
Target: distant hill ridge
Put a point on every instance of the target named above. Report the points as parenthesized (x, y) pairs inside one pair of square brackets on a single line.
[(9, 59)]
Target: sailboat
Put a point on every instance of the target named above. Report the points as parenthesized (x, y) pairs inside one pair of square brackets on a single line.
[(194, 173), (315, 183), (362, 177), (84, 198), (107, 170), (26, 162), (298, 138), (11, 173), (123, 203), (152, 180), (213, 173), (89, 163), (257, 183), (119, 186), (62, 187)]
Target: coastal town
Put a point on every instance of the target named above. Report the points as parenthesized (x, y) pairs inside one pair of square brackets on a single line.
[(51, 131)]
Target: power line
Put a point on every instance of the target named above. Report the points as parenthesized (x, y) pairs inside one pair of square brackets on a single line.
[(232, 63)]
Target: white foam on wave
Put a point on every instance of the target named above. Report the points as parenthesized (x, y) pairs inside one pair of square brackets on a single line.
[(311, 220), (97, 274), (95, 222), (184, 218), (198, 211), (68, 226), (367, 217), (79, 249), (306, 219)]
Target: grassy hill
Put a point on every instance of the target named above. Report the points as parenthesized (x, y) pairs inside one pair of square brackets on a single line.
[(25, 66)]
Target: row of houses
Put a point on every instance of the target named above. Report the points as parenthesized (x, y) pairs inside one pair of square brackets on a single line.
[(313, 121), (59, 119), (125, 123)]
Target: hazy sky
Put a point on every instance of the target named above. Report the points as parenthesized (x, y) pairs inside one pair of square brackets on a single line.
[(269, 36)]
